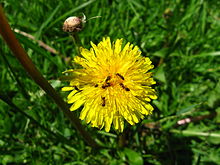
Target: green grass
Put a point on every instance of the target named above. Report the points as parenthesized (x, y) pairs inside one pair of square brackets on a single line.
[(182, 39)]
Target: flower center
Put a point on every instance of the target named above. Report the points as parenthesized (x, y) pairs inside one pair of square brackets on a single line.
[(113, 80)]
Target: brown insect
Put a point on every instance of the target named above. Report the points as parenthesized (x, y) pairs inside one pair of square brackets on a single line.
[(103, 101), (107, 83), (76, 88), (124, 87), (96, 85), (119, 75), (108, 78)]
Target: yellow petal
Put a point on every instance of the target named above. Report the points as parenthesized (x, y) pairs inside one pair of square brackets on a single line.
[(74, 98), (118, 44), (67, 89), (71, 94), (84, 112), (77, 104)]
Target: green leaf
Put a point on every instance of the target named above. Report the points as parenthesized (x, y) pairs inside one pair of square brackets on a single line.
[(68, 13), (188, 108), (47, 21), (160, 75), (37, 49), (133, 157), (161, 53)]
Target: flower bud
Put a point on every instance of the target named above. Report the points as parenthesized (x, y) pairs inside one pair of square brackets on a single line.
[(73, 24)]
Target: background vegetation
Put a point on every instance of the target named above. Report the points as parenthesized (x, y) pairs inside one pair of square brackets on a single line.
[(181, 37)]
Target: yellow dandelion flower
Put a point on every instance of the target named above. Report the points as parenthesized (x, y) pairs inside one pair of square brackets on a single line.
[(113, 85)]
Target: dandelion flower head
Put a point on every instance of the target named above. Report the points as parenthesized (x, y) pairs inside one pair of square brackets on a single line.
[(113, 85)]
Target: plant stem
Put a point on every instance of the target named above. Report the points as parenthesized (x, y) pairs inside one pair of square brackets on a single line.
[(195, 133), (13, 76), (76, 42), (27, 63), (122, 140)]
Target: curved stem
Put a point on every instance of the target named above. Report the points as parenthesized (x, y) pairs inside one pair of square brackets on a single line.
[(26, 62), (13, 76), (76, 42), (8, 101)]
